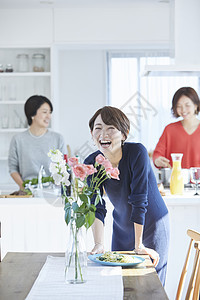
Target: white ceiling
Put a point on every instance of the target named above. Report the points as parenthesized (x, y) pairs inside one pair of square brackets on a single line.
[(14, 4)]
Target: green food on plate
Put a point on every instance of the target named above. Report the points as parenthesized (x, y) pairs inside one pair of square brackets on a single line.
[(116, 257)]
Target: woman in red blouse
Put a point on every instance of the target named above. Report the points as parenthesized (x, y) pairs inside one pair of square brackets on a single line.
[(182, 136)]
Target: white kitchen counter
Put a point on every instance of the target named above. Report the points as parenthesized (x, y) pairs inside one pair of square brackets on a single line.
[(32, 224), (187, 198), (37, 224)]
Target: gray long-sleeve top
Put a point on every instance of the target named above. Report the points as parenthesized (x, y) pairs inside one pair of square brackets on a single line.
[(27, 152)]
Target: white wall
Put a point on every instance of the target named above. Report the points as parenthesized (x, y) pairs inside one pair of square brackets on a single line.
[(81, 85)]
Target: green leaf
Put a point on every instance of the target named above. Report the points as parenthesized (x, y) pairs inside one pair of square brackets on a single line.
[(75, 207), (68, 215), (89, 219), (67, 205), (84, 198), (88, 191), (82, 208), (92, 208), (97, 199), (80, 221)]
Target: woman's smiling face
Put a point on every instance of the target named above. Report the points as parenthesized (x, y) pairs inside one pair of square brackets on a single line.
[(107, 137), (43, 116), (185, 107)]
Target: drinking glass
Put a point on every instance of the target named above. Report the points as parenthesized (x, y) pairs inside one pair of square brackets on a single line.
[(195, 178), (5, 122)]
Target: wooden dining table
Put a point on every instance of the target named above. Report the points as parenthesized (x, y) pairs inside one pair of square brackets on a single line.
[(18, 272)]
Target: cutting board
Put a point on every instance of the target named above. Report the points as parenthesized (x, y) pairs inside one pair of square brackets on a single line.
[(16, 196)]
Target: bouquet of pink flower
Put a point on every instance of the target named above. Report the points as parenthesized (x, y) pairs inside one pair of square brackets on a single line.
[(78, 206), (79, 209)]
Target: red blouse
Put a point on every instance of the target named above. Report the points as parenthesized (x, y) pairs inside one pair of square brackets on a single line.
[(175, 139)]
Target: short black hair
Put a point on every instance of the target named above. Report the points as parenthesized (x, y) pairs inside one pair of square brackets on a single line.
[(32, 104)]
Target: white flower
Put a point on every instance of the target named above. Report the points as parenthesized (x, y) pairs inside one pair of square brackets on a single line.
[(62, 167), (56, 156), (58, 168), (53, 168), (57, 179), (65, 179)]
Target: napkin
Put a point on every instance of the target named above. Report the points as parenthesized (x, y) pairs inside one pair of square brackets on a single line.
[(103, 282)]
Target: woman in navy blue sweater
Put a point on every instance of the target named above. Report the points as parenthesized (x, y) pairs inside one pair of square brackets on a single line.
[(140, 216)]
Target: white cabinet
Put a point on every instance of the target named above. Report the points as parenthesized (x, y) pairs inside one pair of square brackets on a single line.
[(16, 87), (113, 24), (22, 27)]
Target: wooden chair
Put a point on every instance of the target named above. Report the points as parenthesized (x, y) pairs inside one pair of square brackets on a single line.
[(0, 241), (194, 282)]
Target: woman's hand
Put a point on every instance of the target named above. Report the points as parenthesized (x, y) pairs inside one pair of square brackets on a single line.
[(152, 253), (98, 248), (98, 233), (162, 162), (140, 248)]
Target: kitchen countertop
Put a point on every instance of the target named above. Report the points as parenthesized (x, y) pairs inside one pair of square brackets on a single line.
[(45, 199), (187, 198), (46, 196)]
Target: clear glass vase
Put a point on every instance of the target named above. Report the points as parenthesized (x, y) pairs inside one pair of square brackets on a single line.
[(76, 256)]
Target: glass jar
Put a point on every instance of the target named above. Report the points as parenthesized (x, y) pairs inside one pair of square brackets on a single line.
[(22, 60), (38, 62), (9, 68), (1, 68)]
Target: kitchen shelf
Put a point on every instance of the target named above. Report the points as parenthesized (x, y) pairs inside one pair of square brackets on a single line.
[(11, 102), (16, 87), (25, 74), (4, 130), (3, 157)]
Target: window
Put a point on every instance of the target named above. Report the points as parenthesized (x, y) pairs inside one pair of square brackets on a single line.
[(145, 100)]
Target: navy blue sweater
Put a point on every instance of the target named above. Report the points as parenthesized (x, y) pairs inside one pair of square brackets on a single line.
[(135, 197)]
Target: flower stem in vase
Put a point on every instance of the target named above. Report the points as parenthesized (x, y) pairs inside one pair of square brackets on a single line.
[(76, 257)]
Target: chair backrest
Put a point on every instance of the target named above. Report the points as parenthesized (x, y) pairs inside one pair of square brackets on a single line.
[(0, 241), (194, 282)]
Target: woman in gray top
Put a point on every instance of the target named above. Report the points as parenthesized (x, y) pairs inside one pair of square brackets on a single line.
[(28, 150)]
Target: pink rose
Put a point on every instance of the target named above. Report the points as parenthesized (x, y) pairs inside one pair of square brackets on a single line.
[(113, 172), (107, 164), (90, 169), (80, 171), (100, 159), (73, 161)]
